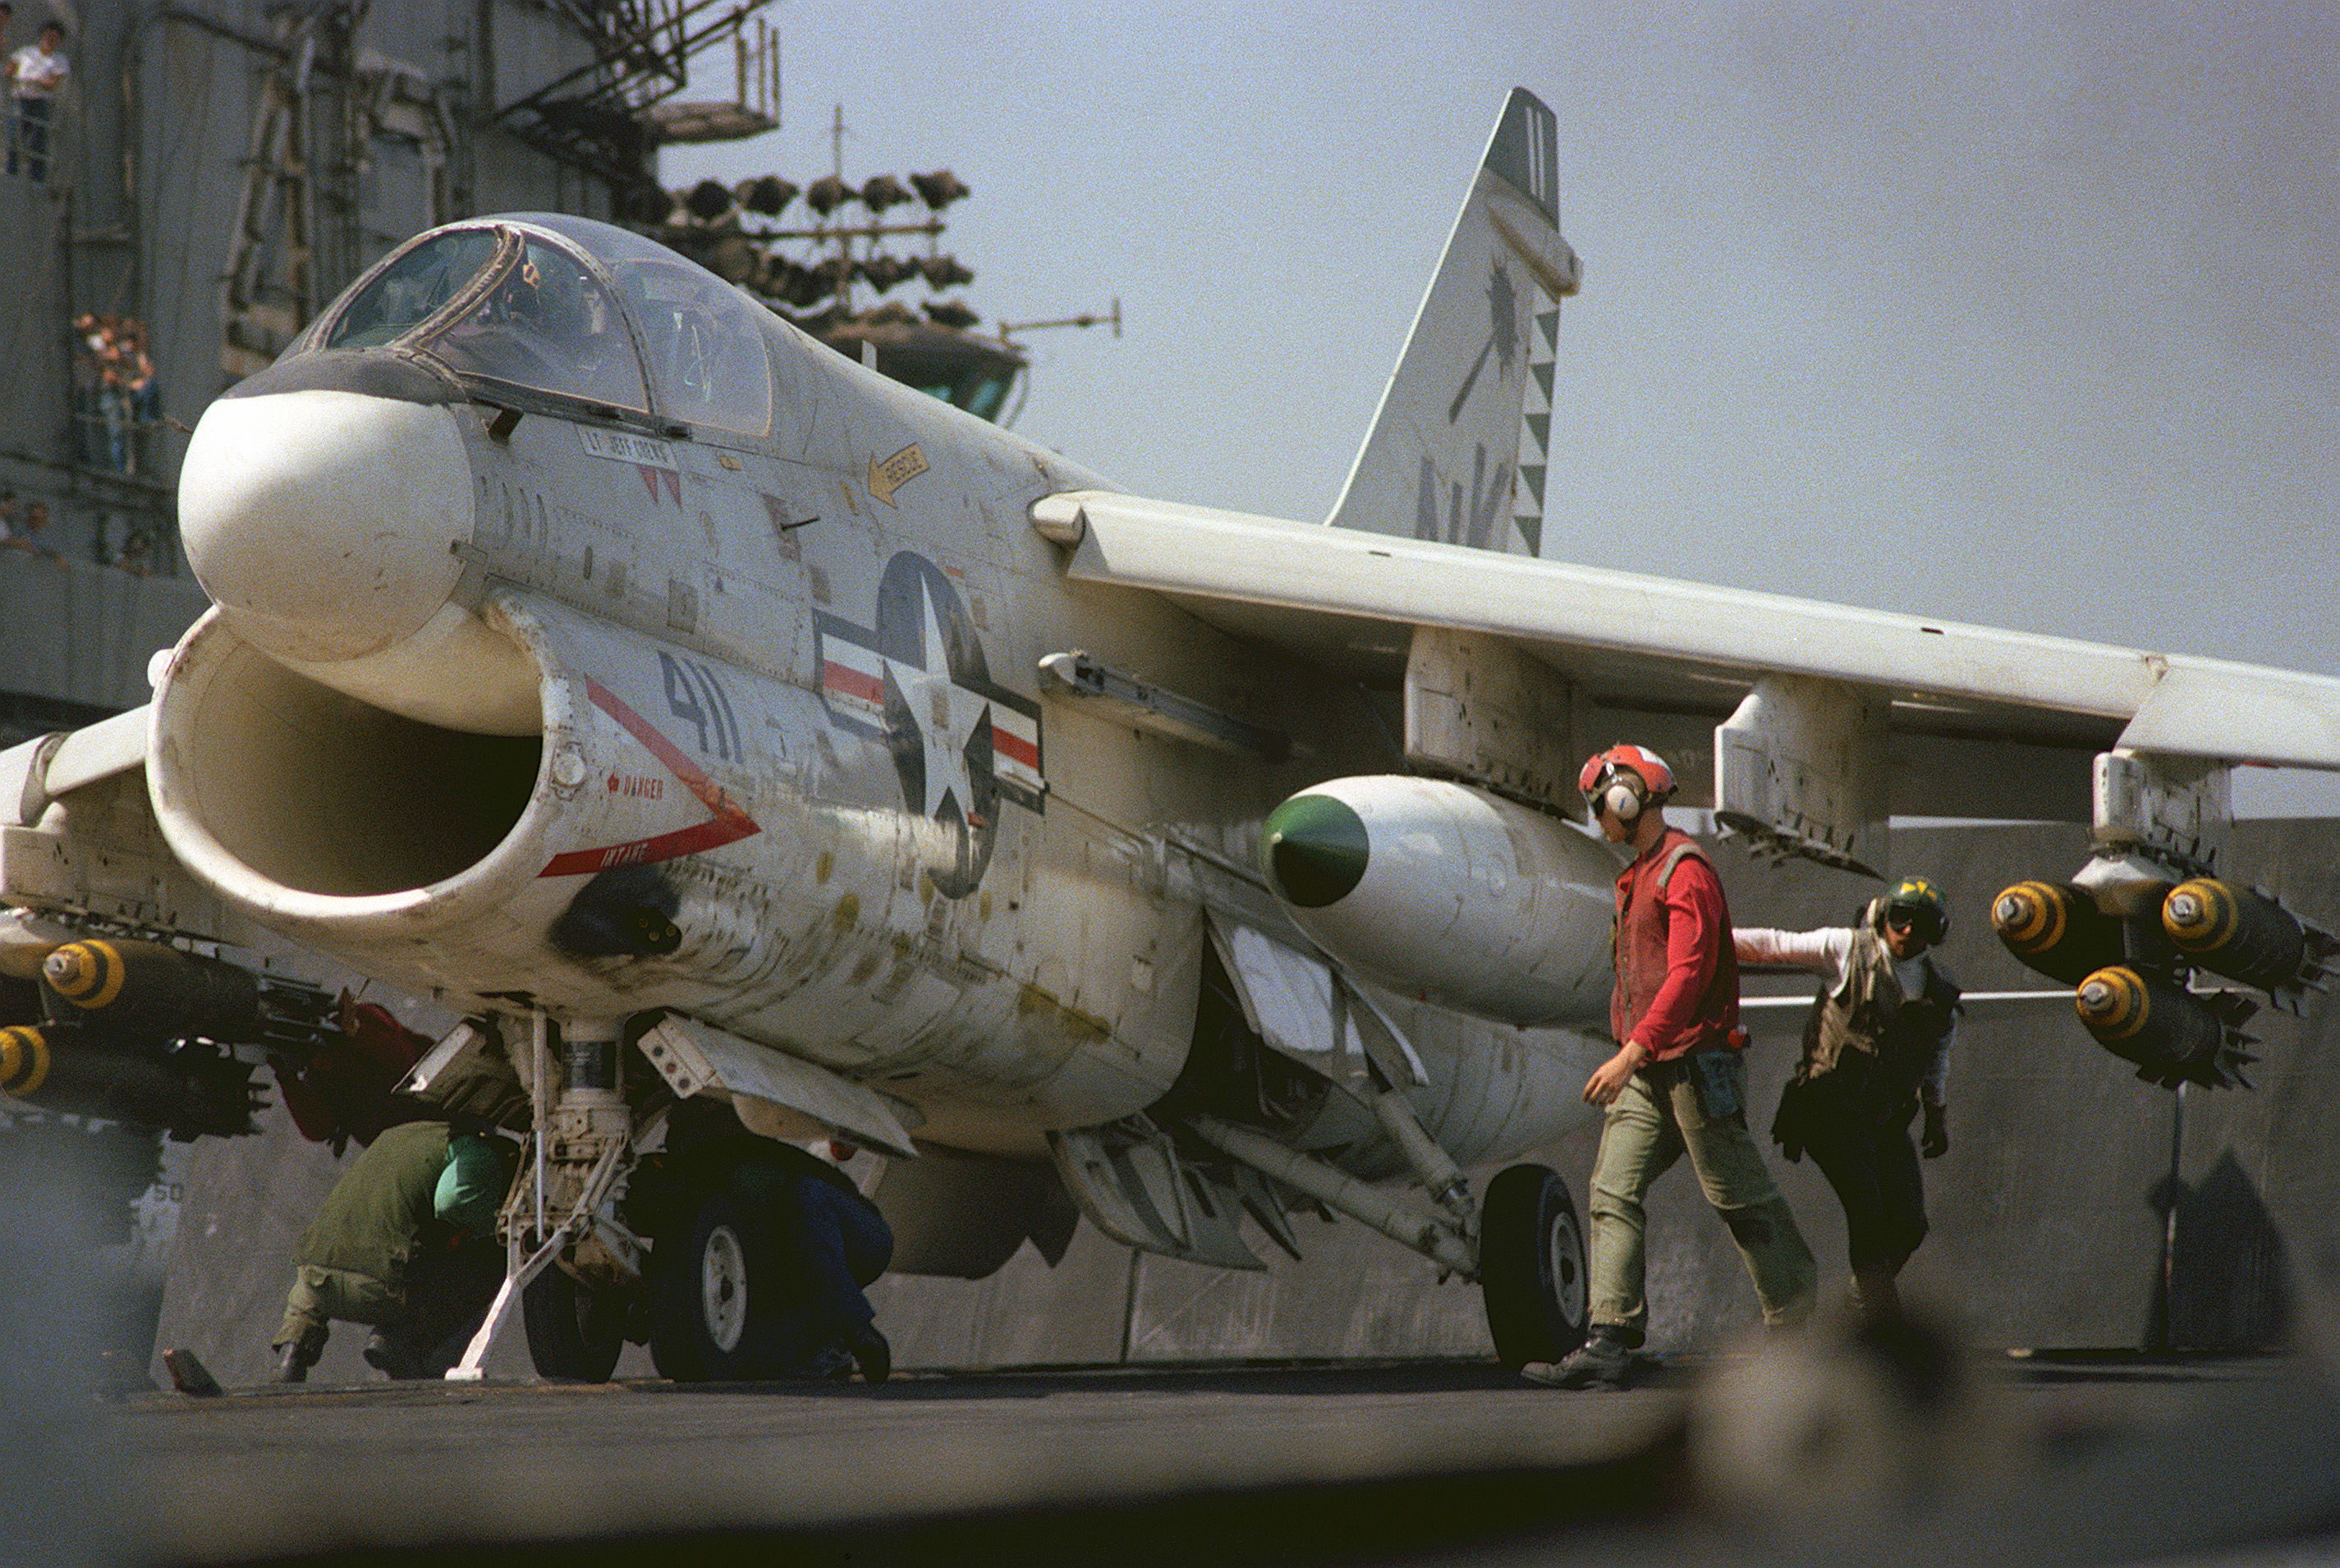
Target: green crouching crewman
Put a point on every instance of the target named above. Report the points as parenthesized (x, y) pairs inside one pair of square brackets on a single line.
[(1876, 1046), (405, 1243)]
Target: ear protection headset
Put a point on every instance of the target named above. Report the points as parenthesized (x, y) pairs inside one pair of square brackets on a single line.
[(1625, 781), (1624, 795)]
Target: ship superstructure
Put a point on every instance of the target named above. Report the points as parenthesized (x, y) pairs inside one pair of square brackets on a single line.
[(208, 175)]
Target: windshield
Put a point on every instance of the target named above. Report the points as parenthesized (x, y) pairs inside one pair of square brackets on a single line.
[(406, 292), (549, 324)]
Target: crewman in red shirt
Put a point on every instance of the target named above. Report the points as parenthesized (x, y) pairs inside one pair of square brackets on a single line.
[(346, 1090), (1677, 1084)]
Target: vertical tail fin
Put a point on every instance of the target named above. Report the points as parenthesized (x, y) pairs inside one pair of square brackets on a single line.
[(1457, 448)]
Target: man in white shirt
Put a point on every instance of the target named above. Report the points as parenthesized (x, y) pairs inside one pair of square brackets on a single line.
[(1877, 1044), (36, 72)]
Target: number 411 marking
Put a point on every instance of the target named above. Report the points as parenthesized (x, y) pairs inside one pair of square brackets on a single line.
[(694, 696)]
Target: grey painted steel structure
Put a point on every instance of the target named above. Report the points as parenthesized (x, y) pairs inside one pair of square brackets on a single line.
[(155, 143)]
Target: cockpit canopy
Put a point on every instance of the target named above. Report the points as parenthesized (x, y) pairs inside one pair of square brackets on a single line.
[(570, 307)]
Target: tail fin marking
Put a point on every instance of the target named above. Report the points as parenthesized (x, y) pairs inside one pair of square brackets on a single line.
[(1465, 427)]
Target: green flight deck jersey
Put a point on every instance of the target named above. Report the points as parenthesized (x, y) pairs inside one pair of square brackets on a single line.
[(410, 1176)]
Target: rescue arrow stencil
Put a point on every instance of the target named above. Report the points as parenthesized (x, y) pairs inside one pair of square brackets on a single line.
[(887, 477)]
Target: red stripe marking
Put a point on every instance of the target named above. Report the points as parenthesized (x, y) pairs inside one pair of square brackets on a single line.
[(727, 824), (853, 683), (1015, 749)]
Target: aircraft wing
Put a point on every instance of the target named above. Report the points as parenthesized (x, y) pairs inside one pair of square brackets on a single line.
[(1964, 703)]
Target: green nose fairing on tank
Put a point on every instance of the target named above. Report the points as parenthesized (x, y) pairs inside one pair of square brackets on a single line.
[(1315, 848)]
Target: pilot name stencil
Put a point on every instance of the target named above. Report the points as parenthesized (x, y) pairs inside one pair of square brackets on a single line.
[(625, 446)]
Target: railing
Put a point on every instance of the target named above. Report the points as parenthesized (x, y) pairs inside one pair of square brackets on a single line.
[(114, 428), (591, 118), (37, 138)]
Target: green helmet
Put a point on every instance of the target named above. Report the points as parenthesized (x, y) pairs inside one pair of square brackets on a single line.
[(1923, 902)]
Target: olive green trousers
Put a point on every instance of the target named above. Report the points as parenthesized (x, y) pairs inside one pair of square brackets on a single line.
[(438, 1293), (1653, 1122), (320, 1297)]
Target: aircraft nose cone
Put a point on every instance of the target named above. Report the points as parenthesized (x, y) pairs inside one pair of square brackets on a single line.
[(325, 525), (1317, 850)]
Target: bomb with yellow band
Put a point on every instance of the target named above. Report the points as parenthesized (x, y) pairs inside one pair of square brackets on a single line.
[(145, 1034), (2057, 929), (186, 1088), (2243, 936), (2171, 1036), (122, 985), (23, 1061)]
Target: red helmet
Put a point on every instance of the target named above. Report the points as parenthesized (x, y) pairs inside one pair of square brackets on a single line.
[(1625, 780)]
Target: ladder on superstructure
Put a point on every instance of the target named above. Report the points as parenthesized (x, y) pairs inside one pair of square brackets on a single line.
[(295, 240)]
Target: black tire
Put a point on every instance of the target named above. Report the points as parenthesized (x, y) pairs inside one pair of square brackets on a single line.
[(714, 1280), (573, 1333), (1531, 1276)]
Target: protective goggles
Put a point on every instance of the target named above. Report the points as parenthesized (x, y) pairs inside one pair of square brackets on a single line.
[(1917, 917)]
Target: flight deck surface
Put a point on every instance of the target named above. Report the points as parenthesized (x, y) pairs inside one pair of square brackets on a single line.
[(2113, 1460)]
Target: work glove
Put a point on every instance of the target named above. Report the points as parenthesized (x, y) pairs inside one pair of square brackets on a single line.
[(1937, 1141)]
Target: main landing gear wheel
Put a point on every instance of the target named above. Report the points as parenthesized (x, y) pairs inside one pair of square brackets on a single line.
[(1531, 1278), (714, 1284), (573, 1333)]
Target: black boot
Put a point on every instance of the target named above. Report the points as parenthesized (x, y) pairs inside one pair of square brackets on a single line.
[(1604, 1361), (871, 1353), (389, 1354), (295, 1359)]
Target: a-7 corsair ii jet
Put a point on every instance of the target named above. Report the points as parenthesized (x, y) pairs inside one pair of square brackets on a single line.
[(711, 719)]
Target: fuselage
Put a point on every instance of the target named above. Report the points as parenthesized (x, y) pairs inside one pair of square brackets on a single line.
[(587, 639)]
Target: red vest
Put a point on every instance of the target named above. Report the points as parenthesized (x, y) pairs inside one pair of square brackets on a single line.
[(1642, 965)]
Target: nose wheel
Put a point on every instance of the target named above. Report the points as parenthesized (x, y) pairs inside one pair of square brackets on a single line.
[(574, 1333), (1531, 1274)]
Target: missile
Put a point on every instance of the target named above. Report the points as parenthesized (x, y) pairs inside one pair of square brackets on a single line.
[(2242, 936), (2171, 1036), (2057, 929), (1448, 893), (184, 1089)]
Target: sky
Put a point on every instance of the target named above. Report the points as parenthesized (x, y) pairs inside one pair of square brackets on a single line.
[(2021, 315)]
